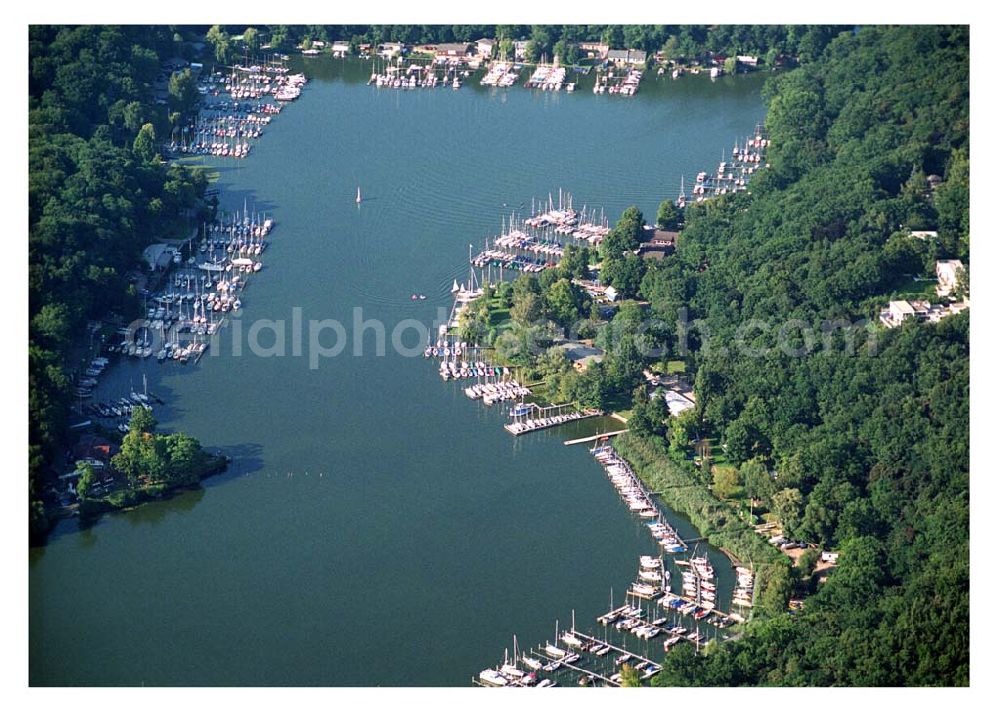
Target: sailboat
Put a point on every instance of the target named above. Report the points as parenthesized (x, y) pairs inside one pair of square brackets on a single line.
[(358, 199)]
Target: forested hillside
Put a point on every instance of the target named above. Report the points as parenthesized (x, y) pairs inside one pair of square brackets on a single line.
[(97, 195), (862, 446)]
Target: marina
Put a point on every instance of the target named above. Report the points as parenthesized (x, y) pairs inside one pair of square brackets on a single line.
[(501, 74), (418, 483), (414, 75), (538, 242), (237, 108), (531, 417), (549, 77), (732, 175), (616, 82)]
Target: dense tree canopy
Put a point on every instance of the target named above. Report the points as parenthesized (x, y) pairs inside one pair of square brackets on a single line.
[(867, 432)]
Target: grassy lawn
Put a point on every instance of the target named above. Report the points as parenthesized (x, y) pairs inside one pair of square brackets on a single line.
[(718, 455), (675, 367), (498, 316), (908, 288)]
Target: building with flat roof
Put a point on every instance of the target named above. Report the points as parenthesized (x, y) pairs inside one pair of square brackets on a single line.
[(676, 403), (900, 311), (948, 273), (158, 256)]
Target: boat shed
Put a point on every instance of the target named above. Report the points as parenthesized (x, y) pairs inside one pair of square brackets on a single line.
[(158, 256), (453, 49)]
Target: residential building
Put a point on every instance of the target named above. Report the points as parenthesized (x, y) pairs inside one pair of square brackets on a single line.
[(626, 57), (484, 47), (656, 243), (340, 49), (388, 50), (948, 273), (452, 49), (900, 311), (595, 49), (582, 354)]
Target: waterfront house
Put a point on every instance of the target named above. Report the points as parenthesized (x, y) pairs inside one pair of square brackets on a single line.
[(340, 49), (388, 50), (484, 47), (448, 50), (626, 57), (581, 353), (948, 273), (595, 49), (747, 60), (656, 244), (95, 450), (520, 50)]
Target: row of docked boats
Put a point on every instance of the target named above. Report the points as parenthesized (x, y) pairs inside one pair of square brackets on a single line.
[(574, 657), (501, 74), (611, 83), (453, 370), (528, 425), (698, 581), (225, 128), (731, 176), (197, 296), (743, 593), (498, 391), (414, 76), (533, 245), (549, 77), (512, 261), (561, 218), (84, 387), (445, 348), (637, 499)]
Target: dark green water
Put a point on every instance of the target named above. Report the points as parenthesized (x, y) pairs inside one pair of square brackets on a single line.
[(377, 527)]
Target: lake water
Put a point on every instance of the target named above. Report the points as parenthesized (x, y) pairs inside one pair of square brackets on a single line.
[(376, 527)]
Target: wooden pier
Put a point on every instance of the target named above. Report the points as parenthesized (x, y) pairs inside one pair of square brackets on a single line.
[(593, 438), (543, 421), (641, 659), (588, 673)]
